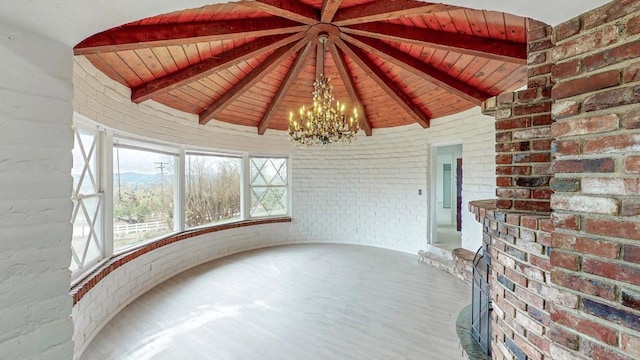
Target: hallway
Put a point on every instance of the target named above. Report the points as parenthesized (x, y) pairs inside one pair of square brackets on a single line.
[(448, 238)]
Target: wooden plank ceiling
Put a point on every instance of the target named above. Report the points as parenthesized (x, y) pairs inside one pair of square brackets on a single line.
[(252, 62)]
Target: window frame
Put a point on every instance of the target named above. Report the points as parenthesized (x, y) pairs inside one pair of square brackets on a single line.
[(106, 143), (230, 155), (288, 186), (152, 147), (78, 198)]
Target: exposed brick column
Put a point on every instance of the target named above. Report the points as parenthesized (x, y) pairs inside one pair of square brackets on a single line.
[(520, 283), (596, 244), (517, 226), (523, 132), (568, 287)]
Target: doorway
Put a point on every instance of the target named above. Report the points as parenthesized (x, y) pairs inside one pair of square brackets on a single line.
[(447, 197)]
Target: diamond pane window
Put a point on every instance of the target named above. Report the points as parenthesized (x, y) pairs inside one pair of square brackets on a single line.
[(84, 174), (87, 245), (212, 187), (269, 186)]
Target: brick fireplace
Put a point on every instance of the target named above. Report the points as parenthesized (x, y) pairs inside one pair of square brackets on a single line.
[(563, 233)]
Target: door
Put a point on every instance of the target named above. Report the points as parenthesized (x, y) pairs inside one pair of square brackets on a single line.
[(459, 194)]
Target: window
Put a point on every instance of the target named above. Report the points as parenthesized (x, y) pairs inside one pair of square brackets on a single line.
[(269, 185), (128, 191), (87, 245), (143, 194), (212, 186)]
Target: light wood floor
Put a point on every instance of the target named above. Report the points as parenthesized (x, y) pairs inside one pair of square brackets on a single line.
[(293, 302), (448, 238)]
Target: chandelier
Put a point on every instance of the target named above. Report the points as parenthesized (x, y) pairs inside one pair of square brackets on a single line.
[(324, 122)]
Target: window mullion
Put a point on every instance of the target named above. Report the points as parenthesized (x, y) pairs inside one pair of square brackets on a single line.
[(289, 187), (245, 193), (180, 191), (106, 183), (87, 196)]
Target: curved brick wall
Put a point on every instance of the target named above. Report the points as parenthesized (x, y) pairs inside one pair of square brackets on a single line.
[(101, 297), (365, 193), (521, 289), (375, 180)]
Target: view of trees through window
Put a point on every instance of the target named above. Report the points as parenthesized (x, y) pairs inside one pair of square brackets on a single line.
[(212, 187), (143, 186), (127, 192)]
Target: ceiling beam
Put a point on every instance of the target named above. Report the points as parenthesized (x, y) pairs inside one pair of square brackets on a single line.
[(459, 43), (385, 10), (210, 66), (354, 95), (373, 70), (417, 67), (146, 36), (289, 79), (255, 76), (291, 9), (329, 9)]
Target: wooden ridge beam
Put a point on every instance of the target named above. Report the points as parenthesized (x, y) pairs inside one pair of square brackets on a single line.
[(257, 74), (385, 10), (146, 36), (329, 9), (291, 9), (371, 69), (293, 73), (417, 67), (459, 43), (211, 65), (354, 95)]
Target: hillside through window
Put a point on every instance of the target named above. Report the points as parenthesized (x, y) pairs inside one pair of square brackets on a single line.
[(143, 195)]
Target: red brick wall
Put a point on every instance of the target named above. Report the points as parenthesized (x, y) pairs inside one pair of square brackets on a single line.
[(523, 132), (564, 232), (517, 226), (595, 253)]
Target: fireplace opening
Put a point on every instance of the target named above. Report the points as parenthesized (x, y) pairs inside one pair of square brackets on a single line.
[(481, 301)]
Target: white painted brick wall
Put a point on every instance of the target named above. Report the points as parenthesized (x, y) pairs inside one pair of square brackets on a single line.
[(35, 184), (133, 279), (376, 179), (364, 193)]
